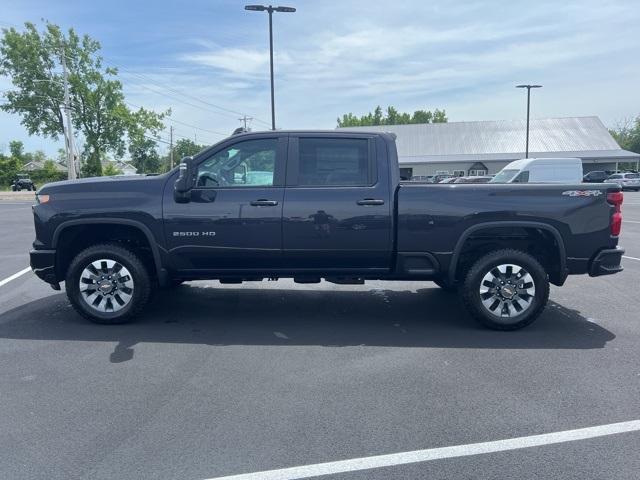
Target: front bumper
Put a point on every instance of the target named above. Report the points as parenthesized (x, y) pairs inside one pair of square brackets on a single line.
[(606, 262), (43, 264)]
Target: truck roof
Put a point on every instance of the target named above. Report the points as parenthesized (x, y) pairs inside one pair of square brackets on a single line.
[(323, 131)]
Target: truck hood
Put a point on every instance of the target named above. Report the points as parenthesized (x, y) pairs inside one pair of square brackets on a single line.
[(115, 184)]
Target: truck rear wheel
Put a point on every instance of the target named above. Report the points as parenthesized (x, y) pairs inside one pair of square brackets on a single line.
[(506, 289), (107, 284)]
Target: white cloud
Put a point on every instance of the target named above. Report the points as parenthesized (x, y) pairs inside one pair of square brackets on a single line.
[(465, 57)]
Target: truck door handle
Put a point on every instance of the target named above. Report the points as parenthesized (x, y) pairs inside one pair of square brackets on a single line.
[(264, 203), (370, 201)]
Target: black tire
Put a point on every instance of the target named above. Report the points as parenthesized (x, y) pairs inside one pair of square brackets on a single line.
[(132, 263), (14, 188), (509, 317), (444, 285)]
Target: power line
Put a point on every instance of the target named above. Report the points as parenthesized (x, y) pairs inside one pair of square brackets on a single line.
[(171, 119), (178, 92)]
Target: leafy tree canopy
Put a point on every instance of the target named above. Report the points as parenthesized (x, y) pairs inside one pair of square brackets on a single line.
[(391, 116), (627, 134), (110, 169), (33, 59)]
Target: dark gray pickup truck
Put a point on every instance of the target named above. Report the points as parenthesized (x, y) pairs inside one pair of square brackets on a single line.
[(312, 205)]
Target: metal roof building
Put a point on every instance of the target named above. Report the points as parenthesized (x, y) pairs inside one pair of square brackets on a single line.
[(476, 148)]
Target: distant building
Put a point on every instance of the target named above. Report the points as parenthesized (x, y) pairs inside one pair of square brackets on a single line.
[(37, 165), (125, 167), (485, 147)]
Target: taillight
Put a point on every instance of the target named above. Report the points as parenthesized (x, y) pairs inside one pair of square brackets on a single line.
[(615, 199)]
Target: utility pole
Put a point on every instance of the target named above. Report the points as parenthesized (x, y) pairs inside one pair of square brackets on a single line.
[(171, 144), (71, 151), (245, 119)]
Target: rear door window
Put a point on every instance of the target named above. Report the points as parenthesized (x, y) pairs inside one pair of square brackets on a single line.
[(335, 162)]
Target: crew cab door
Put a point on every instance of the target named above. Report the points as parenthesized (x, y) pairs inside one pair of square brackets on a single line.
[(233, 220), (338, 205)]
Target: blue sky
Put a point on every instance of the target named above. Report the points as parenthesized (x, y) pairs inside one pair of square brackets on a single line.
[(349, 56)]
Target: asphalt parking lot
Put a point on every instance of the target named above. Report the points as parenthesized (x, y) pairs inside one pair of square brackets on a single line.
[(224, 380)]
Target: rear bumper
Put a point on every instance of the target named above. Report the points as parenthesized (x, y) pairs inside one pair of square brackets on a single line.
[(43, 264), (606, 262)]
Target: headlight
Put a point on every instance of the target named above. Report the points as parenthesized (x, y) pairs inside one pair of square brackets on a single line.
[(42, 198)]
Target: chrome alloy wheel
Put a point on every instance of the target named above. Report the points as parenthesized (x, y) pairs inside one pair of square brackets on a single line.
[(106, 285), (507, 290)]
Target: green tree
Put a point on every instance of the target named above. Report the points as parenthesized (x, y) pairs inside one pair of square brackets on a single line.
[(183, 148), (392, 117), (142, 127), (16, 149), (186, 148), (32, 60), (9, 167), (37, 156), (111, 170), (144, 156), (627, 134)]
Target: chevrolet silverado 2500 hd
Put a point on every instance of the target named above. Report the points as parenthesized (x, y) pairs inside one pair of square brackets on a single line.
[(312, 205)]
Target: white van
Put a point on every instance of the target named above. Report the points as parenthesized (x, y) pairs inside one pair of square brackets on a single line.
[(541, 170)]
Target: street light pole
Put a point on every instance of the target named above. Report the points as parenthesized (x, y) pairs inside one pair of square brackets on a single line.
[(273, 104), (270, 9), (528, 87)]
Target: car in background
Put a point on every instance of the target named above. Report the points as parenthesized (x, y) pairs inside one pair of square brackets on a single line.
[(596, 176), (422, 178), (541, 170), (449, 180), (474, 179), (627, 181), (23, 182), (441, 176)]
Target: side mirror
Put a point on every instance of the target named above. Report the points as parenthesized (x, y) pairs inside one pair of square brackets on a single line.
[(185, 182)]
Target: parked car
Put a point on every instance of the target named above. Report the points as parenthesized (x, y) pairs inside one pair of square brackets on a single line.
[(627, 181), (334, 208), (475, 179), (422, 178), (438, 178), (448, 180), (595, 176), (541, 170), (22, 182)]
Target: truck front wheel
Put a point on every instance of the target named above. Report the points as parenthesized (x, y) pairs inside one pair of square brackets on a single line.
[(107, 284), (506, 289)]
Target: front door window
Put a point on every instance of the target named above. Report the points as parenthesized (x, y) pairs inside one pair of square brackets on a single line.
[(245, 164)]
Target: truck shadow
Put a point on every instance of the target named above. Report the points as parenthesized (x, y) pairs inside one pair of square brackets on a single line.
[(194, 314)]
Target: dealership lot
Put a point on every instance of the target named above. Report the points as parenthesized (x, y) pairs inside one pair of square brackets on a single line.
[(220, 380)]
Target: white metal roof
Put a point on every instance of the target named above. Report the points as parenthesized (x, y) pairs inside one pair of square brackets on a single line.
[(583, 137)]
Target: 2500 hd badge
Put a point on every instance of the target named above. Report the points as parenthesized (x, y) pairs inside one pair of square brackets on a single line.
[(194, 234)]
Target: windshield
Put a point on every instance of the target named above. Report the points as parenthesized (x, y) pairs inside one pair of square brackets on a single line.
[(504, 176)]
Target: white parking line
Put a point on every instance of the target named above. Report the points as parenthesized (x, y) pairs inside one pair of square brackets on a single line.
[(630, 221), (14, 276), (631, 258), (378, 461)]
